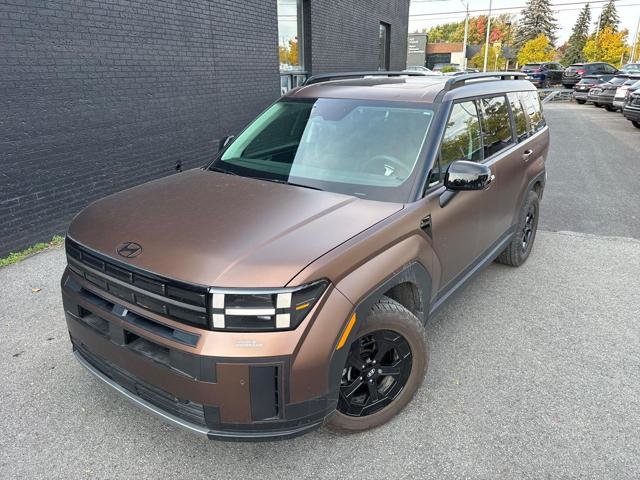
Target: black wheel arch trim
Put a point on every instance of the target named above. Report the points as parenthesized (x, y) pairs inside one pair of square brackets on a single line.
[(414, 273)]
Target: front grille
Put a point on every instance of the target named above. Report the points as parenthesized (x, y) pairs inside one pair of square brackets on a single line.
[(178, 301), (185, 409)]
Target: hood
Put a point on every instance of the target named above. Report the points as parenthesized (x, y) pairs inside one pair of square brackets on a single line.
[(222, 230)]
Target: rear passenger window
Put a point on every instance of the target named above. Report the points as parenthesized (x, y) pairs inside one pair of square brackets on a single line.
[(531, 102), (519, 115), (496, 125)]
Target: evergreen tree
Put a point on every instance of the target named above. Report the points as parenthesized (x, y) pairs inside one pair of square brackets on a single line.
[(609, 17), (578, 38), (537, 18)]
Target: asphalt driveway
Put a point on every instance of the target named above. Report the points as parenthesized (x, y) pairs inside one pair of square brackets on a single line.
[(534, 373)]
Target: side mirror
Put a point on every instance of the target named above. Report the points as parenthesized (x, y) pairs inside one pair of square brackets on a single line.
[(464, 175), (224, 141)]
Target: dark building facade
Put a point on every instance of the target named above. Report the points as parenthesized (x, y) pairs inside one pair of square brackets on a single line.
[(99, 96)]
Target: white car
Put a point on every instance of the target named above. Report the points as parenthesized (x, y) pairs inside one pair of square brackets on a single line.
[(621, 92)]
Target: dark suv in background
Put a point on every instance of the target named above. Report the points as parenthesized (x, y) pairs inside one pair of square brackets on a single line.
[(573, 73), (287, 284), (602, 95), (543, 74), (586, 83)]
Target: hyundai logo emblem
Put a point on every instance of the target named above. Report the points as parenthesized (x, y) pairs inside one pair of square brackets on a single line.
[(129, 249)]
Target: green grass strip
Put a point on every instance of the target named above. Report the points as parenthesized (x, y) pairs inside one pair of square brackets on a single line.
[(15, 257)]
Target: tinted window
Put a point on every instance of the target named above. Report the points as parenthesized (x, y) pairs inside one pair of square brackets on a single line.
[(519, 115), (363, 148), (461, 139), (496, 125), (531, 103)]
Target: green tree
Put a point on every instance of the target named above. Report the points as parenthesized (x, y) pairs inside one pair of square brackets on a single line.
[(495, 59), (536, 50), (608, 18), (537, 18), (578, 38), (608, 46)]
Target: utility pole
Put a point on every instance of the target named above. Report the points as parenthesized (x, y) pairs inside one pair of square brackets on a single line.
[(635, 43), (486, 41), (466, 37)]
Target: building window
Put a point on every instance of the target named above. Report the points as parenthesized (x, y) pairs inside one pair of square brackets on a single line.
[(290, 35), (383, 46)]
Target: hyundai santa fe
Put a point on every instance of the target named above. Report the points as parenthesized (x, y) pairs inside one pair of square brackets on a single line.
[(286, 285)]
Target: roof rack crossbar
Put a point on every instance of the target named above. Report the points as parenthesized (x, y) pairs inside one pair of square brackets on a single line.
[(325, 77), (461, 80)]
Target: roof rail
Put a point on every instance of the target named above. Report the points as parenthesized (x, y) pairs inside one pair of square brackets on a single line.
[(461, 80), (325, 77)]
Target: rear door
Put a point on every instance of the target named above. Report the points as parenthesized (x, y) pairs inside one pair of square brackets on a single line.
[(527, 159)]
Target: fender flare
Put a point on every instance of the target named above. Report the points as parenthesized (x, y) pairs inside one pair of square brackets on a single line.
[(415, 273)]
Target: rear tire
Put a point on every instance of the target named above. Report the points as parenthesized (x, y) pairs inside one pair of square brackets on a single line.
[(389, 325), (521, 243), (635, 123), (610, 108), (595, 104), (581, 102)]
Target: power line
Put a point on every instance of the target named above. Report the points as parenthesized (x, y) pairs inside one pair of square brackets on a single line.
[(511, 8)]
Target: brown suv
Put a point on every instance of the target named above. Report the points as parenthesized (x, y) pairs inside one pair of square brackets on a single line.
[(286, 285)]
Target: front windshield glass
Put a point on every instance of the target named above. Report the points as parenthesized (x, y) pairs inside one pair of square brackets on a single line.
[(365, 148), (631, 68)]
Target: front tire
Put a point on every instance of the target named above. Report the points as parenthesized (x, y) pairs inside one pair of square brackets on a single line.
[(385, 367), (581, 102), (598, 105), (635, 123), (610, 108), (521, 243)]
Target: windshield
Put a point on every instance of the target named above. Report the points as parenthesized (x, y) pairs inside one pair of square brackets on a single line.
[(631, 67), (363, 148), (617, 80)]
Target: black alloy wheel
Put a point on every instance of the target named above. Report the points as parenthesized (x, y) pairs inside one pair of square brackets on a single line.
[(528, 227), (377, 369)]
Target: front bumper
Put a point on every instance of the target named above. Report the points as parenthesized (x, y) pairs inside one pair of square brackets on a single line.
[(578, 95), (570, 80), (601, 99), (631, 112), (237, 395)]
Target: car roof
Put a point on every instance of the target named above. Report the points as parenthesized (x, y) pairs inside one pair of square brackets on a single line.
[(422, 89)]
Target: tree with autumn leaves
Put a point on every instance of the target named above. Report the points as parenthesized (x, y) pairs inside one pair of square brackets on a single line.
[(607, 46), (536, 50)]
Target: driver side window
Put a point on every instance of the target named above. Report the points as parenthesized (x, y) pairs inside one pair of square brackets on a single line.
[(462, 139)]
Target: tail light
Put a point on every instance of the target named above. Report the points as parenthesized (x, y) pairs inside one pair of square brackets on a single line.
[(580, 72)]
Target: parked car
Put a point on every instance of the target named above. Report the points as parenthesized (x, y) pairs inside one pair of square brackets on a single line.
[(418, 68), (286, 285), (586, 83), (620, 97), (543, 74), (631, 68), (601, 95), (631, 109), (574, 72)]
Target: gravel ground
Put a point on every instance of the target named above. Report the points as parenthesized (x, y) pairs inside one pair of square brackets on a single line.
[(534, 373)]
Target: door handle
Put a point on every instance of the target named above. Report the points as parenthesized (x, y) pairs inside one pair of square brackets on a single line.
[(527, 154)]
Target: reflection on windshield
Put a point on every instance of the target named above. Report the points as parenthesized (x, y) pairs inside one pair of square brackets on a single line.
[(348, 146)]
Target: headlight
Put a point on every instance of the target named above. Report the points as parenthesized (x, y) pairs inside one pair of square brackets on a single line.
[(263, 309)]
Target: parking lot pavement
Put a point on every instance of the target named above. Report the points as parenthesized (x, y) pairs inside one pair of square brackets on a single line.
[(534, 373), (592, 181)]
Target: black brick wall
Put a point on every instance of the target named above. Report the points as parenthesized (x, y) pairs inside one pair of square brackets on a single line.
[(99, 96), (345, 34)]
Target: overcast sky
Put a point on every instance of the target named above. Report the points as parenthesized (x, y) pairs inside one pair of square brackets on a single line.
[(443, 11)]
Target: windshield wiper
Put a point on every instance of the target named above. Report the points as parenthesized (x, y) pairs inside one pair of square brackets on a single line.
[(284, 182), (222, 170)]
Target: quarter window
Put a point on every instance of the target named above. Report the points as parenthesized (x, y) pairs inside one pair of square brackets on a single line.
[(496, 125), (383, 47), (531, 102), (519, 115)]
